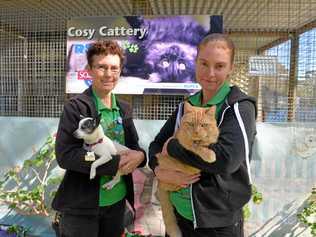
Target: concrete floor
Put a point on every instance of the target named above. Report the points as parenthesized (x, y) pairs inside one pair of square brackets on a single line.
[(148, 212)]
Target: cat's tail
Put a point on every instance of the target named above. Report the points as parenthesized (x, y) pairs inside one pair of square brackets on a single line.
[(168, 215)]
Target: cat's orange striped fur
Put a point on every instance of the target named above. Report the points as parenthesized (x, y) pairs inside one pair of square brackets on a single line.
[(197, 130)]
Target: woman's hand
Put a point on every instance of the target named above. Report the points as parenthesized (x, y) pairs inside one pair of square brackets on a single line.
[(130, 160), (175, 177)]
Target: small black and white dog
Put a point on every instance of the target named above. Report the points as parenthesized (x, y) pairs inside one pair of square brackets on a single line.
[(96, 142)]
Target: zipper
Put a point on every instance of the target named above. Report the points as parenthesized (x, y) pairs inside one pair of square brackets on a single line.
[(222, 117), (192, 205)]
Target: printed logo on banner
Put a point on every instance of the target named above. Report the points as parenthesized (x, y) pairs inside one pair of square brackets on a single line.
[(84, 75)]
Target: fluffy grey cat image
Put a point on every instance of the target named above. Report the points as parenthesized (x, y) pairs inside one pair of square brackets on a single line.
[(167, 52)]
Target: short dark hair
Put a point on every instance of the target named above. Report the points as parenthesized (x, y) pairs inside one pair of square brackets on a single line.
[(218, 37), (105, 47)]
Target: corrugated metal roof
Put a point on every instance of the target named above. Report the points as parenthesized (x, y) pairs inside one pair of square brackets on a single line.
[(262, 21)]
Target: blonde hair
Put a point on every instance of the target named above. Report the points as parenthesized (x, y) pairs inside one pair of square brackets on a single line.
[(218, 37)]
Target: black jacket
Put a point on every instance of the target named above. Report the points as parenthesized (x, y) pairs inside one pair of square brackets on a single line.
[(77, 194), (224, 187)]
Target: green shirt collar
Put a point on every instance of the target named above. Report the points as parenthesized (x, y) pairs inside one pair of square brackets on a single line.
[(219, 97), (101, 106)]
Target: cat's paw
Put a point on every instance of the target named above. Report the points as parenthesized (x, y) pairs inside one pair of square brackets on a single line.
[(154, 77), (207, 155)]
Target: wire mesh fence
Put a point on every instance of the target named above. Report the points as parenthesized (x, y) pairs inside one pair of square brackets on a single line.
[(33, 53)]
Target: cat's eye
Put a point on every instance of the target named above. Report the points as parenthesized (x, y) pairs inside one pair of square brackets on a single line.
[(165, 63), (182, 66), (204, 125), (191, 124)]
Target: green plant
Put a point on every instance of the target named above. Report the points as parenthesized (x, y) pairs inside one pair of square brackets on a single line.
[(308, 215), (256, 198), (13, 230), (26, 198)]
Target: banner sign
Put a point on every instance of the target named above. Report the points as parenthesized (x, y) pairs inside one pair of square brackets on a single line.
[(160, 51)]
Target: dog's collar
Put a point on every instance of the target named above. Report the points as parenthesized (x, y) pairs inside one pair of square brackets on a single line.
[(93, 144)]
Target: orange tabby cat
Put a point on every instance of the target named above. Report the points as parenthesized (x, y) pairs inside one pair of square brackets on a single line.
[(197, 130)]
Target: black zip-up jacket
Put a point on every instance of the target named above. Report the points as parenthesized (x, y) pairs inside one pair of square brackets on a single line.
[(225, 185), (77, 194)]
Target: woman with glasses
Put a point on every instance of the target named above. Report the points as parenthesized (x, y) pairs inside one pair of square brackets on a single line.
[(88, 209)]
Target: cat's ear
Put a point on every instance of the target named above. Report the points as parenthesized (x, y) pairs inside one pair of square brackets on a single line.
[(187, 107), (212, 110)]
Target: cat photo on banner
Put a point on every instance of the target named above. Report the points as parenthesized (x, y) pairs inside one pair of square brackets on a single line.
[(159, 51)]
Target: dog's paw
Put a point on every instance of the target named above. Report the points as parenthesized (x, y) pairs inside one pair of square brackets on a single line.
[(92, 174), (109, 185)]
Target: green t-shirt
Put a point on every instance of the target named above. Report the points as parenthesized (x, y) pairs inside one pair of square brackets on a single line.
[(111, 123), (181, 199)]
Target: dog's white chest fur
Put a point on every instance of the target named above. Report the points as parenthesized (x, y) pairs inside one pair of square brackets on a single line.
[(102, 146), (106, 146)]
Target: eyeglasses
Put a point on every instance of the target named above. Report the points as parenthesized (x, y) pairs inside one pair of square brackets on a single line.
[(105, 68)]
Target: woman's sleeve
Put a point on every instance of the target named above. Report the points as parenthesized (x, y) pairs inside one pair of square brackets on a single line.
[(157, 144), (230, 148)]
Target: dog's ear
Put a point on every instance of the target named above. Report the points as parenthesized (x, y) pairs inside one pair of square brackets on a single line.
[(98, 119)]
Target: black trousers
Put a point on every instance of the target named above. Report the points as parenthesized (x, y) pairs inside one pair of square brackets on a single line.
[(109, 223), (187, 229)]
